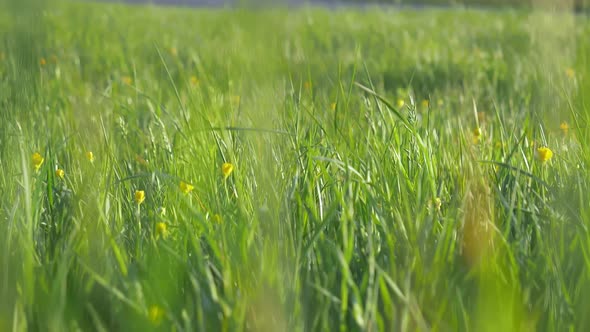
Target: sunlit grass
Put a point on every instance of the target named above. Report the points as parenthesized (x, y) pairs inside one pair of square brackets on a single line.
[(289, 170)]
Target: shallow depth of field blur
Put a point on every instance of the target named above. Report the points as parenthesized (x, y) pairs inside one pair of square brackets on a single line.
[(293, 168)]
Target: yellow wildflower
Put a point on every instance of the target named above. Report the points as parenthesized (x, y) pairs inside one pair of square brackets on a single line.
[(570, 72), (476, 135), (173, 51), (186, 187), (139, 196), (544, 154), (60, 173), (226, 170), (400, 103), (156, 314), (37, 160), (217, 218), (333, 106), (437, 203), (42, 62), (127, 80), (564, 127), (194, 80), (425, 103), (161, 230), (90, 156), (307, 85)]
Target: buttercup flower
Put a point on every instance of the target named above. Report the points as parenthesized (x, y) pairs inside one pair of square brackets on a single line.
[(476, 135), (226, 170), (155, 315), (37, 160), (139, 196), (564, 127), (90, 156), (60, 173), (185, 187), (437, 203), (400, 103), (544, 154), (161, 230)]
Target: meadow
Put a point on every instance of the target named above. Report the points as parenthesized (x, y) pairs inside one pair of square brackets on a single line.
[(304, 169)]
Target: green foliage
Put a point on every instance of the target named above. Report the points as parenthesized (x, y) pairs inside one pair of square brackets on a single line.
[(384, 173)]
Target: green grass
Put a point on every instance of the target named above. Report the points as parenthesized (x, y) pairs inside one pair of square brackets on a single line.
[(330, 219)]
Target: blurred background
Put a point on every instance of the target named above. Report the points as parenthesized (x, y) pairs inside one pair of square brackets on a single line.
[(577, 5)]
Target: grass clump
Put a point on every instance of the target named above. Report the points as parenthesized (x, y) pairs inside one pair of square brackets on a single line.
[(199, 169)]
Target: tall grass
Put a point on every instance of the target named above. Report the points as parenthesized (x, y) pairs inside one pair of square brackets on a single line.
[(385, 172)]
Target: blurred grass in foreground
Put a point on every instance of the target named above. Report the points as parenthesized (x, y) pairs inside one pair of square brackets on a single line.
[(387, 169)]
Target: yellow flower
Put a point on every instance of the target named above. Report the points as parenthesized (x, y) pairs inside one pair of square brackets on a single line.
[(173, 51), (226, 170), (161, 230), (42, 62), (400, 103), (37, 160), (156, 314), (544, 154), (476, 135), (564, 127), (139, 196), (437, 203), (60, 173), (333, 106), (570, 72), (186, 187), (217, 218), (90, 156), (425, 103), (307, 85), (194, 80), (127, 80)]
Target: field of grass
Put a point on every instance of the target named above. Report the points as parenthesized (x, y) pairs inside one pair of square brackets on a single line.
[(272, 170)]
